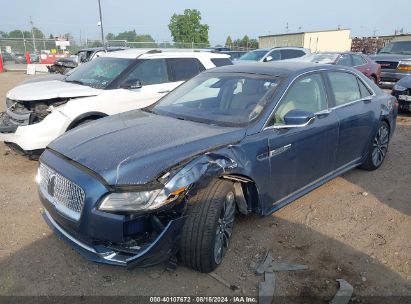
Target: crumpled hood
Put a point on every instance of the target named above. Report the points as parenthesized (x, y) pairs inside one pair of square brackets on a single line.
[(133, 148), (50, 89), (390, 57)]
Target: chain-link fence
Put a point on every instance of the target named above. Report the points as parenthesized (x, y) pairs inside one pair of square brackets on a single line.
[(14, 50)]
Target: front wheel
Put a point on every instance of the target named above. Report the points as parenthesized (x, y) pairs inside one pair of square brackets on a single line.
[(378, 148), (209, 226)]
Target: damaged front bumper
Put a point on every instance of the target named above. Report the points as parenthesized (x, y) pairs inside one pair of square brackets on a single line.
[(31, 137), (160, 250)]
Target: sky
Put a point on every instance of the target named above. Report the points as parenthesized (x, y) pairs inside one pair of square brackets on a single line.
[(224, 17)]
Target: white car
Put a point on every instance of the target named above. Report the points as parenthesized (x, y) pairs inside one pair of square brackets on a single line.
[(274, 54), (38, 112)]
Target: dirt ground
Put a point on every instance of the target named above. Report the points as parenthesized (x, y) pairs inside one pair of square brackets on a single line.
[(356, 227)]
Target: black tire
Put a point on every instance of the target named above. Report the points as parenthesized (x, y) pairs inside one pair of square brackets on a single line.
[(378, 148), (209, 223)]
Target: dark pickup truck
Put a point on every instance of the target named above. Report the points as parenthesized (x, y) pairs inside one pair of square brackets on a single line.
[(395, 61)]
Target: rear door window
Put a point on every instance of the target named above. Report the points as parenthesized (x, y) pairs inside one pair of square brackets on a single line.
[(365, 92), (288, 54), (345, 87), (185, 68)]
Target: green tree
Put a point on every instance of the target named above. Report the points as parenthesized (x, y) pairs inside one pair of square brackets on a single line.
[(144, 38), (253, 43), (110, 36), (229, 41), (245, 41), (188, 27), (127, 35), (3, 35), (37, 33)]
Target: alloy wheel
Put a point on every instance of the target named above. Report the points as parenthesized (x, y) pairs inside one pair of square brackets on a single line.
[(380, 145), (224, 229)]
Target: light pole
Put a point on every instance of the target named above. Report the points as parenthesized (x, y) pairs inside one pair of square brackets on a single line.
[(24, 42), (101, 24), (32, 33)]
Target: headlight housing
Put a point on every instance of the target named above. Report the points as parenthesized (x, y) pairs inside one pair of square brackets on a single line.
[(405, 65), (400, 88), (144, 201), (134, 201)]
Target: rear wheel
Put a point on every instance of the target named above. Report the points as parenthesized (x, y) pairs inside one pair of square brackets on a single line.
[(209, 226), (378, 148)]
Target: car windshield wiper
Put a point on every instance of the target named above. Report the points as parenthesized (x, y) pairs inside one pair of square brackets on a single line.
[(75, 81)]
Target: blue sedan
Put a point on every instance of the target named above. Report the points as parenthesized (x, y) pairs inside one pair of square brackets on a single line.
[(142, 187)]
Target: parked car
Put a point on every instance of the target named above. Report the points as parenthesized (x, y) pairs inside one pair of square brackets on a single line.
[(6, 56), (62, 66), (20, 58), (274, 54), (402, 91), (88, 54), (38, 112), (361, 62), (34, 58), (234, 55), (136, 188), (395, 61)]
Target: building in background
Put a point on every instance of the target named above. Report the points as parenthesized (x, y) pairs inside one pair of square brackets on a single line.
[(320, 41)]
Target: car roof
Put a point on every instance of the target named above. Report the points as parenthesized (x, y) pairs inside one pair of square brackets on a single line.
[(276, 69), (163, 53), (110, 48)]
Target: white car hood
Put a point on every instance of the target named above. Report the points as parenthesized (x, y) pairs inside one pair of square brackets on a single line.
[(50, 89)]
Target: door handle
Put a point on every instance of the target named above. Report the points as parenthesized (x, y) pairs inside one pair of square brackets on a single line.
[(163, 91)]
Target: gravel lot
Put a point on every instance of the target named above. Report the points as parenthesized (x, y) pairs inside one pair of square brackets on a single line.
[(356, 227)]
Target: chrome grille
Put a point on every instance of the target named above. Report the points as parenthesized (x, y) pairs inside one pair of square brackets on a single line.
[(66, 196)]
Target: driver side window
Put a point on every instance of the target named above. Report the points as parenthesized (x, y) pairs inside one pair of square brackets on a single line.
[(307, 94), (149, 71)]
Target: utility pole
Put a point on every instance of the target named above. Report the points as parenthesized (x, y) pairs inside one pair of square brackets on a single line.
[(101, 24), (32, 33), (24, 42)]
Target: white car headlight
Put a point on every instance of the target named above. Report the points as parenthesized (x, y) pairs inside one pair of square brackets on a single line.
[(134, 201), (398, 87)]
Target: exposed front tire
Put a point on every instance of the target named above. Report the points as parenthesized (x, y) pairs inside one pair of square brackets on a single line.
[(378, 148), (209, 226)]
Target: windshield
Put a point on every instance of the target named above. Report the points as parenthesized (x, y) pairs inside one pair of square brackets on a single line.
[(320, 58), (221, 99), (401, 47), (254, 55), (99, 73)]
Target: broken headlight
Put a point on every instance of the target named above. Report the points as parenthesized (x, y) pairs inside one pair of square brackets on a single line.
[(144, 201)]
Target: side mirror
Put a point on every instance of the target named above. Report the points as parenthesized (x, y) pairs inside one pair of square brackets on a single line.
[(298, 118), (132, 85), (268, 58)]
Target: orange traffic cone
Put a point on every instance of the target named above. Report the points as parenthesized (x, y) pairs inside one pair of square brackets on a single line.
[(1, 64), (28, 58)]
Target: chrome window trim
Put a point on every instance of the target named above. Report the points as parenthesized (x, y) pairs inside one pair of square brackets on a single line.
[(325, 111)]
